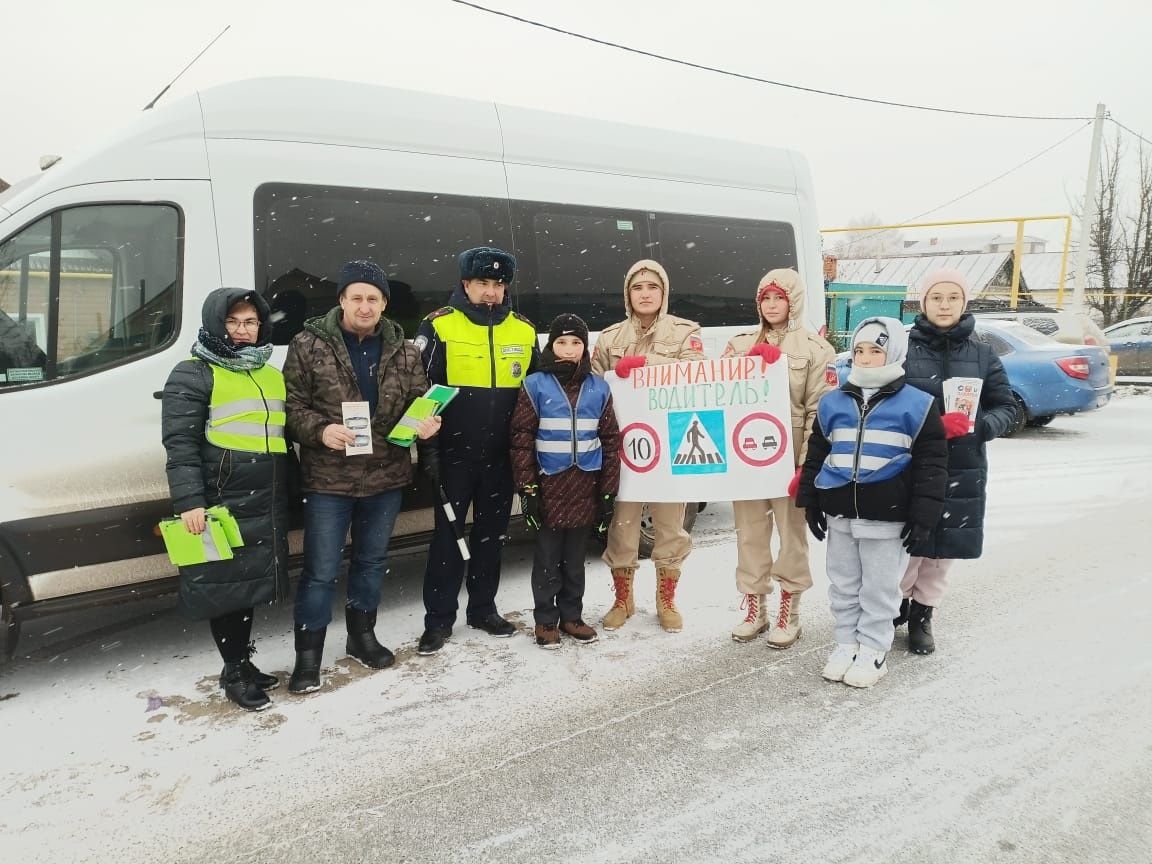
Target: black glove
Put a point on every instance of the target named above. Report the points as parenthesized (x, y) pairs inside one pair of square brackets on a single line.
[(428, 460), (605, 509), (532, 506), (817, 522), (914, 535)]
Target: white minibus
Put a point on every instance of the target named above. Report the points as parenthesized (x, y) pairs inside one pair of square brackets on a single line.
[(270, 184)]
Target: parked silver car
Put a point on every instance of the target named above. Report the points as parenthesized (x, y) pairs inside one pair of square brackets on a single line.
[(1131, 343)]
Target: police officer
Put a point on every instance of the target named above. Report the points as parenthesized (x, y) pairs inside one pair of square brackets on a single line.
[(478, 344)]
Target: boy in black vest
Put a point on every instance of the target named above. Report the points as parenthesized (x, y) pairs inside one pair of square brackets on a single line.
[(566, 464), (878, 465)]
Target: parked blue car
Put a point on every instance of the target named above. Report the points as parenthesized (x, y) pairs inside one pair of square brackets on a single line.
[(1047, 377)]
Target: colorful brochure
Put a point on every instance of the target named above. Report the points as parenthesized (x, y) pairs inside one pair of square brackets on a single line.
[(963, 395)]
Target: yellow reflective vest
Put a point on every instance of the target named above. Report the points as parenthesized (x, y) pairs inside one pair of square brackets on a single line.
[(480, 356), (247, 410)]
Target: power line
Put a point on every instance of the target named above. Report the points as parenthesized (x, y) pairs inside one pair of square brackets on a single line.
[(984, 185), (1130, 131), (814, 90)]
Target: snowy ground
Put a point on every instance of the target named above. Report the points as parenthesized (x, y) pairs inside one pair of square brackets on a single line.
[(1025, 738)]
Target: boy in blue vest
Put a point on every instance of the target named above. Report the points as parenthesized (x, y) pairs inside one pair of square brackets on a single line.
[(566, 464), (877, 465)]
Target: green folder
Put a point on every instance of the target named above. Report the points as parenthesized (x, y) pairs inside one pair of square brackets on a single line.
[(422, 407), (185, 548), (229, 523)]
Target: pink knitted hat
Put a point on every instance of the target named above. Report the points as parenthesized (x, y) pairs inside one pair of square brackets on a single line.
[(936, 277)]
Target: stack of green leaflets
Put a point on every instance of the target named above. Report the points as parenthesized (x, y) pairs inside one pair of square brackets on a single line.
[(422, 407), (221, 535)]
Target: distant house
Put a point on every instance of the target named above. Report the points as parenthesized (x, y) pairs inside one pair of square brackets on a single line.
[(890, 285)]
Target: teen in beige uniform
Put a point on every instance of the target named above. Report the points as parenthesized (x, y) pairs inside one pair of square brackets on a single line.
[(648, 336), (780, 304)]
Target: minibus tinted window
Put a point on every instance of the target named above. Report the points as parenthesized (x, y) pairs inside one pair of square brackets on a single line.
[(87, 288), (303, 234), (714, 265), (581, 256)]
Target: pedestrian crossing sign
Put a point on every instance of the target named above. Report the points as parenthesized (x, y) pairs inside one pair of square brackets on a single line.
[(697, 442)]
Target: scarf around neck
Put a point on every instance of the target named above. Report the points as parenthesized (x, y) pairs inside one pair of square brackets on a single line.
[(220, 352), (876, 376)]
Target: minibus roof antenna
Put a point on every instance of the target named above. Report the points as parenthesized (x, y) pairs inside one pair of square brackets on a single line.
[(186, 68)]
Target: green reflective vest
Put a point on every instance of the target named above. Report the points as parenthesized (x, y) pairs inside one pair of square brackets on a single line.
[(477, 356), (247, 410)]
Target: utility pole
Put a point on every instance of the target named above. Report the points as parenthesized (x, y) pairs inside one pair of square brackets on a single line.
[(1088, 213)]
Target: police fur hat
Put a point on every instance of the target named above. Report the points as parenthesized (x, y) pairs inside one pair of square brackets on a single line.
[(363, 271), (486, 262), (567, 324)]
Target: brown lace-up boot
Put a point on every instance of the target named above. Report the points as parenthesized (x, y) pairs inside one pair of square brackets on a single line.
[(625, 605), (670, 617)]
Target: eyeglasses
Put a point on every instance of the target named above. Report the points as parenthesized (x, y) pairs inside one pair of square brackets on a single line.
[(242, 324)]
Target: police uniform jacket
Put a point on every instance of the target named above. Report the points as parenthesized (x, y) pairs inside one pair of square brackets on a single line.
[(487, 352)]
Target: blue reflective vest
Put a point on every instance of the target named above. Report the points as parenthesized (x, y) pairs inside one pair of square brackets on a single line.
[(567, 436), (874, 447)]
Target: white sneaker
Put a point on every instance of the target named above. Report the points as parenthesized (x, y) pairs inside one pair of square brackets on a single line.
[(840, 661), (869, 667)]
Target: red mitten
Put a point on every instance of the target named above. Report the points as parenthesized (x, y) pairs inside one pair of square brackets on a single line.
[(625, 365), (794, 484), (768, 353), (955, 424)]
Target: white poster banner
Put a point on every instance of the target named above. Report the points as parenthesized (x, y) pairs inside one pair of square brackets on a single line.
[(704, 430)]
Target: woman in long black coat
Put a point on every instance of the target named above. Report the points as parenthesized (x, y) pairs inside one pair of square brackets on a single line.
[(940, 347), (223, 430)]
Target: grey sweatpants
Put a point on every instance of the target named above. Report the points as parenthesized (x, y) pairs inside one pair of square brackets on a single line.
[(866, 560)]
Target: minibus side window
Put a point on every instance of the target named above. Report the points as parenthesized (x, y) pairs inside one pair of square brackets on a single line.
[(575, 259), (303, 234), (86, 288), (715, 264)]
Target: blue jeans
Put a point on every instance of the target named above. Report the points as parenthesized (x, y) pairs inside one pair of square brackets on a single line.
[(327, 519)]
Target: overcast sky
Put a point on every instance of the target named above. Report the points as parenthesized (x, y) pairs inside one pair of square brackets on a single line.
[(74, 72)]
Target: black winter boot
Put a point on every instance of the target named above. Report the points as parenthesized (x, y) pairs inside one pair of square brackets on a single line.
[(920, 639), (241, 689), (902, 618), (362, 645), (261, 679), (309, 652)]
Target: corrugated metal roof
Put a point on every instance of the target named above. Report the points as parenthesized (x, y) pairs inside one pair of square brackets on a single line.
[(1041, 271), (979, 268)]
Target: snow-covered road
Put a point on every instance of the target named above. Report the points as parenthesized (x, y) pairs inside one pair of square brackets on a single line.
[(1027, 737)]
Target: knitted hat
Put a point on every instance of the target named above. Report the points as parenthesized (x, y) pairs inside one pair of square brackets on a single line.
[(888, 334), (487, 262), (567, 324), (362, 271), (936, 277)]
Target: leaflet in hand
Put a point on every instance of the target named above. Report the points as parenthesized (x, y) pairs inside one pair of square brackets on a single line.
[(358, 419), (422, 407), (963, 395)]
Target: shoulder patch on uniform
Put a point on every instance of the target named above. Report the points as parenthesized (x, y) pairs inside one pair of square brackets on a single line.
[(830, 376), (421, 342), (440, 313), (695, 342)]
